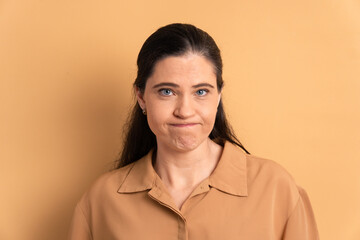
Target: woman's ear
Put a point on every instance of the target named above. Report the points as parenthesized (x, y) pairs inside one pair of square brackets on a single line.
[(140, 98)]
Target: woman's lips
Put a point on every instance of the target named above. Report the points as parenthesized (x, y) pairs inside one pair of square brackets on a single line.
[(183, 124)]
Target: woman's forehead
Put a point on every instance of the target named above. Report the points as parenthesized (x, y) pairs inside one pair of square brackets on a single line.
[(188, 69)]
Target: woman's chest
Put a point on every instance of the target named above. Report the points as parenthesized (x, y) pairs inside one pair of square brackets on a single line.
[(205, 216)]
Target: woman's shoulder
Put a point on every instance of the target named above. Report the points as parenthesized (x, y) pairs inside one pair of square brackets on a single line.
[(267, 168), (257, 168), (268, 178), (107, 183), (272, 185)]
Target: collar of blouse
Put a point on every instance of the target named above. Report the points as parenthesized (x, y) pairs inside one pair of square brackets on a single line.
[(229, 175)]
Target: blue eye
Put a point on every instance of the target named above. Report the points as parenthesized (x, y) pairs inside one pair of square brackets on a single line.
[(166, 92), (201, 92)]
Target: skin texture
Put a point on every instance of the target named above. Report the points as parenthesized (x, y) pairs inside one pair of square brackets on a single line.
[(181, 100)]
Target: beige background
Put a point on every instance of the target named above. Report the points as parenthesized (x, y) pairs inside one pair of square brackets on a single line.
[(292, 93)]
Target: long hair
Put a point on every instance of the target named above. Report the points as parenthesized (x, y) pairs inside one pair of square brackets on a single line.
[(171, 40)]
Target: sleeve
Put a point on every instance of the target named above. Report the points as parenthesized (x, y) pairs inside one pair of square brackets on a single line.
[(301, 224), (79, 229)]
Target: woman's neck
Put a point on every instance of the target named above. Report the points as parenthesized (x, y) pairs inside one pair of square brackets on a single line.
[(184, 170)]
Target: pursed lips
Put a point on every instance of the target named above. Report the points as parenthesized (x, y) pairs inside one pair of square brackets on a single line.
[(183, 124)]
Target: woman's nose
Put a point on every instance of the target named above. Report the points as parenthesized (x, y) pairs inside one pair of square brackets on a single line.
[(184, 107)]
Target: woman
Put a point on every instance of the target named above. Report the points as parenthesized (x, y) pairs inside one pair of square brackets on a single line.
[(183, 174)]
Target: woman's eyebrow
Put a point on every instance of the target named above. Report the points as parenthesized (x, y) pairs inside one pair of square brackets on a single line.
[(166, 84), (203, 85)]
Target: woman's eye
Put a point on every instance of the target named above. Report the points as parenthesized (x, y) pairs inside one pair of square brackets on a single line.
[(201, 92), (166, 92)]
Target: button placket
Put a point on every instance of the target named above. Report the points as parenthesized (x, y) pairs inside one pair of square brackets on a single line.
[(182, 229), (156, 194)]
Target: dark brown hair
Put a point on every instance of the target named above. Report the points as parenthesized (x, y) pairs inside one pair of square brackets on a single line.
[(171, 40)]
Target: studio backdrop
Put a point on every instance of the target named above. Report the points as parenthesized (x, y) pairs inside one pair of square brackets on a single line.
[(292, 94)]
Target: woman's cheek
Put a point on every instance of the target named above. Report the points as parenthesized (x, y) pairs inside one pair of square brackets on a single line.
[(157, 120)]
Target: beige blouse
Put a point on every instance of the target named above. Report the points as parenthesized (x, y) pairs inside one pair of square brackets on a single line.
[(246, 197)]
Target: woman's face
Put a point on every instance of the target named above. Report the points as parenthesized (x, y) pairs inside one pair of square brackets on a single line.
[(181, 100)]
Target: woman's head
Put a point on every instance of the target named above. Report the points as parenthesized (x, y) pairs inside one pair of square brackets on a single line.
[(179, 41)]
